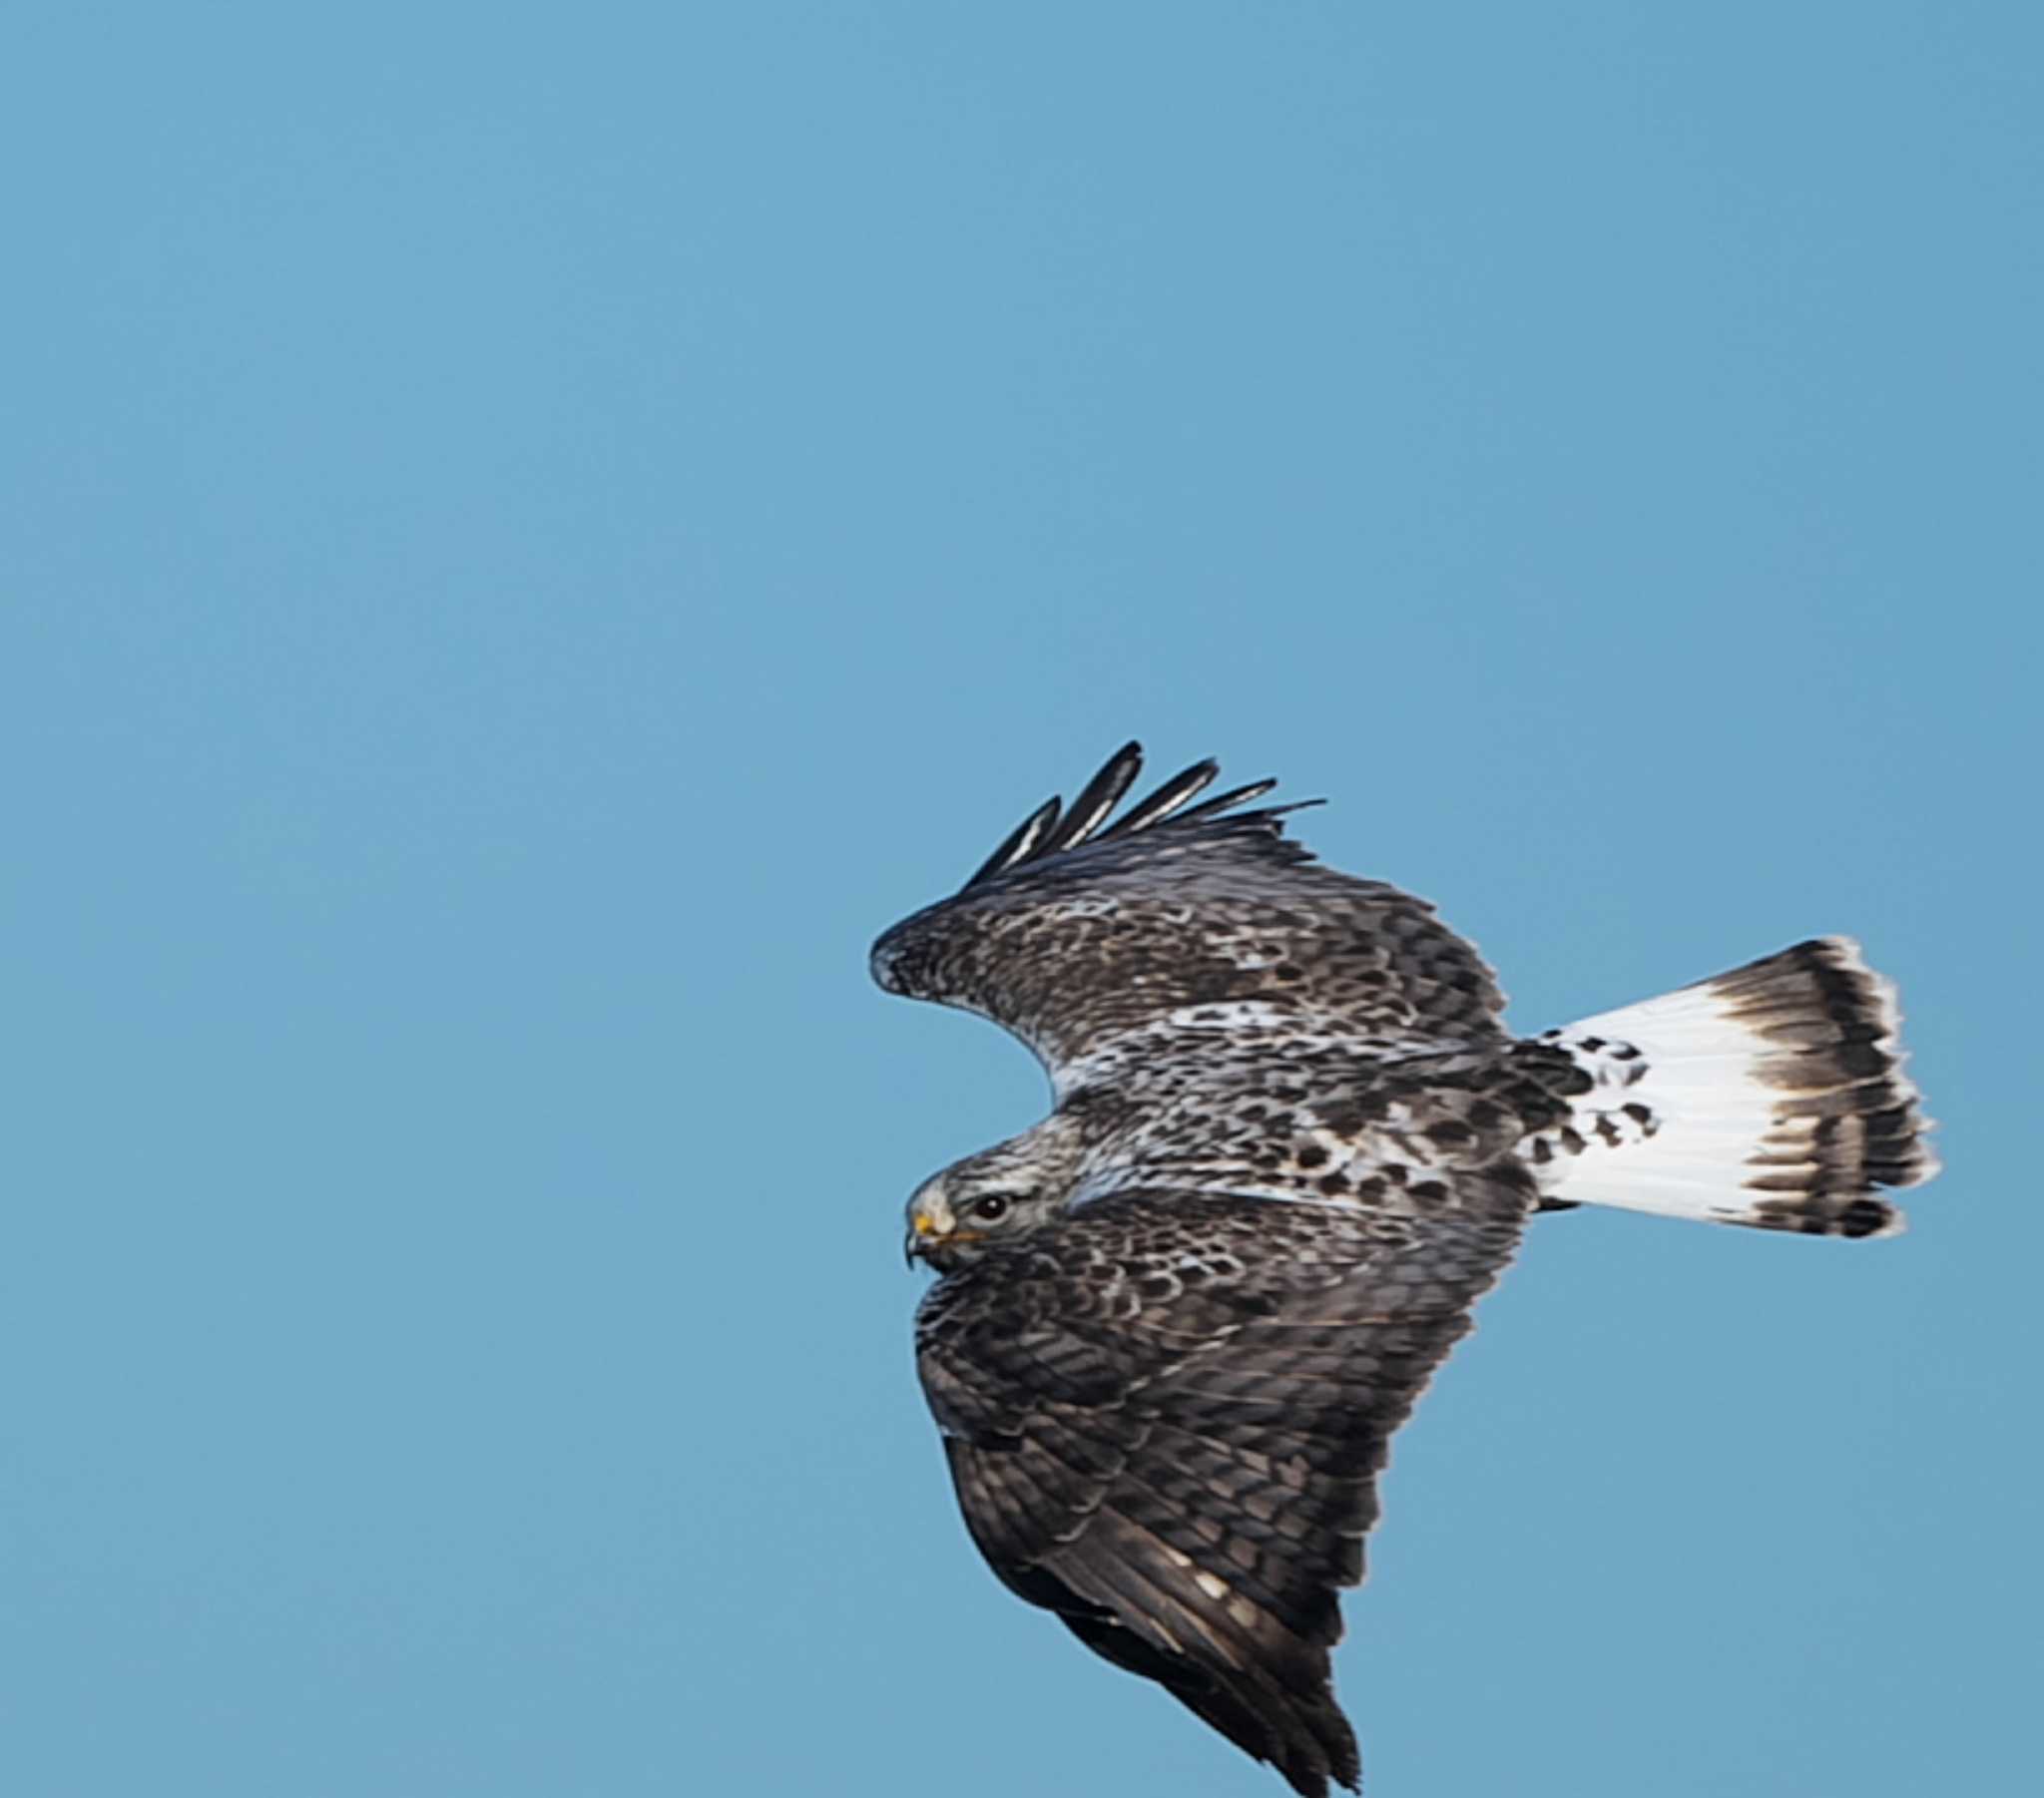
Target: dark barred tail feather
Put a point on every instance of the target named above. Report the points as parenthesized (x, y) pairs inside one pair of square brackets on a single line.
[(1772, 1096)]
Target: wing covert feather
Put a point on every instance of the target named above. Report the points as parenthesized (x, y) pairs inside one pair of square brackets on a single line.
[(1072, 940), (1165, 1420)]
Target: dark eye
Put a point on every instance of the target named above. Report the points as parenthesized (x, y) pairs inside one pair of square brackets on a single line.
[(991, 1209)]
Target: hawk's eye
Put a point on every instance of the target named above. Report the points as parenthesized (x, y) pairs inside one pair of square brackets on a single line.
[(991, 1209)]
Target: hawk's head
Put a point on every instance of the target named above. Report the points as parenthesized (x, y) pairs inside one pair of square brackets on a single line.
[(999, 1195)]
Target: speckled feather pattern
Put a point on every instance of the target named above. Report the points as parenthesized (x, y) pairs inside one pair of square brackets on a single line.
[(1207, 926), (1221, 1013), (1293, 1144), (1165, 1419)]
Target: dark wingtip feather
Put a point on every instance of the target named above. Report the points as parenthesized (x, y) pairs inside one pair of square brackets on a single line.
[(1053, 830), (1101, 795), (1167, 799), (1228, 801), (1020, 843)]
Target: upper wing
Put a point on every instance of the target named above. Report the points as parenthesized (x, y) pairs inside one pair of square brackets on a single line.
[(1166, 1417), (1073, 935)]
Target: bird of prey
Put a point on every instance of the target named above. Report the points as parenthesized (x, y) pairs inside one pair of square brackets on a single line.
[(1178, 1321)]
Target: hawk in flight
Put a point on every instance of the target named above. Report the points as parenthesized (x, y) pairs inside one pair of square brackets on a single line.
[(1178, 1320)]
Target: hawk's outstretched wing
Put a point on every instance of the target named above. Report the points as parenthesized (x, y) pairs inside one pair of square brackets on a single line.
[(1177, 915), (1165, 1416)]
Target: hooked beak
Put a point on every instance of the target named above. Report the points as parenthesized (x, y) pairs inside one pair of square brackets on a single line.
[(927, 1239)]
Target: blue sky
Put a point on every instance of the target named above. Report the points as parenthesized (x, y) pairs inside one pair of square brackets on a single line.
[(531, 534)]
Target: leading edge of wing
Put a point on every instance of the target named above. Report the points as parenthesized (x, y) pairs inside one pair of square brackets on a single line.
[(1076, 841)]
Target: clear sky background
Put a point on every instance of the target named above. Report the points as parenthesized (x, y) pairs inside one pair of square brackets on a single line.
[(528, 535)]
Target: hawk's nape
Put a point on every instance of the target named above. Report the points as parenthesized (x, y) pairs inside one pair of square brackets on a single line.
[(1166, 1418)]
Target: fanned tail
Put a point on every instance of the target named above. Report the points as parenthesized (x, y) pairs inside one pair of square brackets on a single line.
[(1773, 1096)]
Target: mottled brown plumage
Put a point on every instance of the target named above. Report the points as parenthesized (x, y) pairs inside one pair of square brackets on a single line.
[(1166, 1415), (1179, 1319)]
